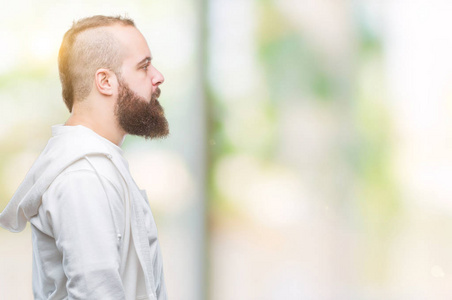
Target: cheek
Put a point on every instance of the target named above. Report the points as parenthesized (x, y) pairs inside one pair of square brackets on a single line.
[(147, 88), (142, 88), (146, 91)]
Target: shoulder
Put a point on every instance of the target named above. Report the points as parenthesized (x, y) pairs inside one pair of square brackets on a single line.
[(93, 173), (97, 165)]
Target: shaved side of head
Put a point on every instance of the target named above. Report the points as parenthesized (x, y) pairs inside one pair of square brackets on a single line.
[(88, 46), (93, 49)]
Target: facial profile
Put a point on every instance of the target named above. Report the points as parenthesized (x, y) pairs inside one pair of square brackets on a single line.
[(140, 116)]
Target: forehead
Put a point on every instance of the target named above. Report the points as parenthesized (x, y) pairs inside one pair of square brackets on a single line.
[(133, 44)]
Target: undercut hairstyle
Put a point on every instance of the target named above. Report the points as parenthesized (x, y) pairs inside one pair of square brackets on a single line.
[(87, 46)]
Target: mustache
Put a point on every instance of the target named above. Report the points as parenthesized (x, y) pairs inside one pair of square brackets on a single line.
[(156, 94)]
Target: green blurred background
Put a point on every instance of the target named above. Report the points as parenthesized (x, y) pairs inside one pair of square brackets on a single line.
[(310, 149)]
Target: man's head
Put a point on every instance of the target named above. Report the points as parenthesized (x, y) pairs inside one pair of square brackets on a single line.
[(108, 57)]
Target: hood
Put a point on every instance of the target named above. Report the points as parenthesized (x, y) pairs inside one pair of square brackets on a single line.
[(66, 146)]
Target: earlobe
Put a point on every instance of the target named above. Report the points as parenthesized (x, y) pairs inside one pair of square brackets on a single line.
[(103, 80)]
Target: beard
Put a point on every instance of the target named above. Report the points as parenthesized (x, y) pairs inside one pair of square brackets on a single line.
[(138, 116)]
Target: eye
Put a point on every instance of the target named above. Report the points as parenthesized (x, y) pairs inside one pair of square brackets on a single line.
[(145, 67)]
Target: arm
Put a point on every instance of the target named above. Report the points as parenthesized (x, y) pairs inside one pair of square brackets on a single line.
[(78, 211)]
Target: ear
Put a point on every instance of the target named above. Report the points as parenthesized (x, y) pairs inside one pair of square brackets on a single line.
[(105, 81)]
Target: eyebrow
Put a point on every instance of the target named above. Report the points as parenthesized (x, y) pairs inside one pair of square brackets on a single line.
[(147, 59)]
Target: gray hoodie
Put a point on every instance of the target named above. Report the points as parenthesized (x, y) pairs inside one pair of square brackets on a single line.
[(66, 264)]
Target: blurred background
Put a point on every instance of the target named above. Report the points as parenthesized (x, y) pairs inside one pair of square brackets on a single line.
[(310, 154)]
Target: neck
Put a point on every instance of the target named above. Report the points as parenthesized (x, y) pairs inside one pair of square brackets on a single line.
[(102, 123)]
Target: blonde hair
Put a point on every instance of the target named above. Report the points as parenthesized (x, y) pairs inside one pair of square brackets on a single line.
[(87, 47)]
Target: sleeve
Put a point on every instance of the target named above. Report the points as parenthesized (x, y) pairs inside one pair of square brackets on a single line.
[(79, 213)]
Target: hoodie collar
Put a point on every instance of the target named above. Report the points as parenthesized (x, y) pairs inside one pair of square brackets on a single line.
[(61, 129)]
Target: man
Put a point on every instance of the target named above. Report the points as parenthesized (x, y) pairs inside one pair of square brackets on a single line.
[(94, 236)]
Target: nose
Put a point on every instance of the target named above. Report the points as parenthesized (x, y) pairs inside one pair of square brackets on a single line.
[(157, 78)]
